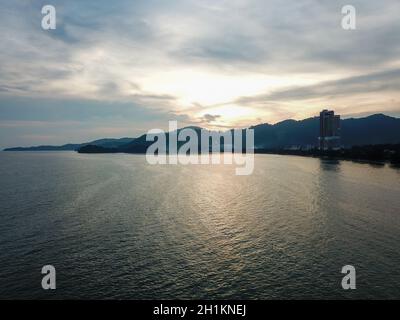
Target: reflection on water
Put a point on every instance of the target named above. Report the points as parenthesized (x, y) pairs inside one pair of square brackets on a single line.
[(116, 227), (331, 164), (395, 166)]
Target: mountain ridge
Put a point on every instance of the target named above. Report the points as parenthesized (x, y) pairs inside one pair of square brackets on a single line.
[(373, 129), (105, 142)]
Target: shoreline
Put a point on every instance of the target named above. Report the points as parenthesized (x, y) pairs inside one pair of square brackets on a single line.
[(335, 155)]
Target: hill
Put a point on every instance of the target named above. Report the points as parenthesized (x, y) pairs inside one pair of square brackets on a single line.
[(372, 130), (105, 143)]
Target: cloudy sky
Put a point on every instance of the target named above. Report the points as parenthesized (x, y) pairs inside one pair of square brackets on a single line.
[(119, 68)]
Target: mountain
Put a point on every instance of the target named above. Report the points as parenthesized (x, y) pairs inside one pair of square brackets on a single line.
[(110, 143), (96, 149), (65, 147), (105, 143), (374, 129), (140, 144), (371, 130), (286, 134)]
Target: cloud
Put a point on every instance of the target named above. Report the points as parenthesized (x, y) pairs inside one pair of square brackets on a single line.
[(387, 81), (149, 61), (210, 118)]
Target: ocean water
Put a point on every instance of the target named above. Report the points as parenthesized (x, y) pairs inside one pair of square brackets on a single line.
[(116, 227)]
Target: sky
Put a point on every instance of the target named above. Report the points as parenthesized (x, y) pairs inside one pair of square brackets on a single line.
[(120, 68)]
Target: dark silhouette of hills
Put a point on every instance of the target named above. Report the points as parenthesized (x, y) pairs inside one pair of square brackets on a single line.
[(140, 144), (65, 147), (374, 129), (287, 133), (377, 129), (96, 149), (105, 143)]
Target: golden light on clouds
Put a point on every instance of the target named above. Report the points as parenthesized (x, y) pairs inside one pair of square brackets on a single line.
[(216, 64)]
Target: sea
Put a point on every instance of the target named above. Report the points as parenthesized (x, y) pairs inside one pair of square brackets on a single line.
[(116, 227)]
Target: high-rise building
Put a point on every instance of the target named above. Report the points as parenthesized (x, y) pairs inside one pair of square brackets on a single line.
[(329, 130)]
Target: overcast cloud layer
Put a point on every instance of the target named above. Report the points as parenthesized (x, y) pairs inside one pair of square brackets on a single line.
[(119, 68)]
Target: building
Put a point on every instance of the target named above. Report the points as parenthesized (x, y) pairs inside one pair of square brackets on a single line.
[(329, 130)]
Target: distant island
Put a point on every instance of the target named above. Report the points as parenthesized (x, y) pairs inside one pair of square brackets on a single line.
[(106, 143), (375, 138)]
